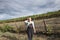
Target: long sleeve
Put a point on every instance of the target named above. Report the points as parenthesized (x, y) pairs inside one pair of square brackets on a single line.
[(34, 27), (33, 24), (25, 22)]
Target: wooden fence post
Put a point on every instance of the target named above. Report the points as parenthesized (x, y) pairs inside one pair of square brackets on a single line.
[(45, 26)]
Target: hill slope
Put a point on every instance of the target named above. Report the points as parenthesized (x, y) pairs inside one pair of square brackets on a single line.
[(35, 17)]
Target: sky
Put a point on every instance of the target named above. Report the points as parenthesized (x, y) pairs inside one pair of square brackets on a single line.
[(19, 8)]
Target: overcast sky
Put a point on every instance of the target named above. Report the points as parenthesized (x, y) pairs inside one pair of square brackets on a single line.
[(18, 8)]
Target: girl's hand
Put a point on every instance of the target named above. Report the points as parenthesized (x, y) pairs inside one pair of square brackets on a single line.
[(34, 31)]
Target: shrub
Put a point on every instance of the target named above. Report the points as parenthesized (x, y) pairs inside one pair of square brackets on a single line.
[(49, 29), (6, 28)]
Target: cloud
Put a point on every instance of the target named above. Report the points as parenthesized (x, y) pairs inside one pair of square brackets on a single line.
[(4, 16), (18, 8)]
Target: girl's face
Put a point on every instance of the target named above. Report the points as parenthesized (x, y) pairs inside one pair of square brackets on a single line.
[(29, 19)]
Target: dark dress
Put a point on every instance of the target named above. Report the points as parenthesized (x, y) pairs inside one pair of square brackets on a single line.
[(30, 32)]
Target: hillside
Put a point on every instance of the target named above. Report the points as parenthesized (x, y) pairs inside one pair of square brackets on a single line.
[(35, 17), (51, 18), (14, 29)]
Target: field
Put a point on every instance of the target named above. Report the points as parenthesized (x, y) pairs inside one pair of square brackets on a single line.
[(15, 36), (18, 32)]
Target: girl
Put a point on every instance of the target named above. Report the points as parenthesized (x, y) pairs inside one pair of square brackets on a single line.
[(30, 28)]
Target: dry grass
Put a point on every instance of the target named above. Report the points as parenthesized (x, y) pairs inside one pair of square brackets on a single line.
[(13, 36), (53, 22)]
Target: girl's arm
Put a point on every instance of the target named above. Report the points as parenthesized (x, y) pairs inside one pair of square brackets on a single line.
[(34, 28), (25, 22)]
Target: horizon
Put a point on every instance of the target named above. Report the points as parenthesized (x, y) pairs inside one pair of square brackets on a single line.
[(10, 9)]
